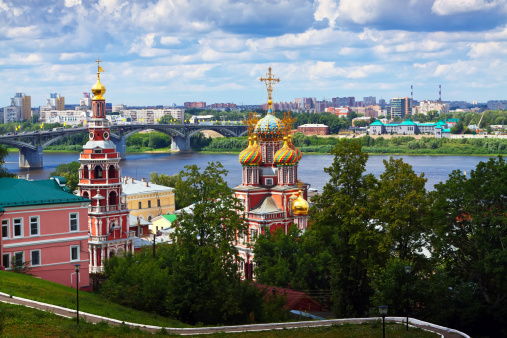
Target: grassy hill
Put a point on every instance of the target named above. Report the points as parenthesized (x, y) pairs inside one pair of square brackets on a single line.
[(52, 293), (20, 321)]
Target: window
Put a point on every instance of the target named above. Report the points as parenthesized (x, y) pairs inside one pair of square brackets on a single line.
[(149, 204), (35, 257), (18, 227), (34, 226), (6, 260), (74, 253), (140, 205), (269, 181), (18, 258), (158, 202), (5, 228), (73, 222)]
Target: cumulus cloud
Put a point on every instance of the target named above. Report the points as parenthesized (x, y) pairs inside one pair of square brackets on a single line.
[(449, 7), (326, 10)]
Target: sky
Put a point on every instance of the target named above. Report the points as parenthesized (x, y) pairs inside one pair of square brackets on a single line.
[(160, 52)]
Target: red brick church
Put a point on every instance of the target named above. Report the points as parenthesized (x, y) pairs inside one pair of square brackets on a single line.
[(271, 192)]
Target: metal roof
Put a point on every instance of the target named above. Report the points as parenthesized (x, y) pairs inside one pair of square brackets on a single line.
[(20, 192)]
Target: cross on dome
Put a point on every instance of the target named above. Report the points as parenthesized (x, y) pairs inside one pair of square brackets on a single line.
[(269, 80)]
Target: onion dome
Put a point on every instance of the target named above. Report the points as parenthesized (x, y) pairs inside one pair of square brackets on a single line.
[(98, 89), (269, 128), (246, 150), (296, 150), (286, 155), (300, 206), (252, 155)]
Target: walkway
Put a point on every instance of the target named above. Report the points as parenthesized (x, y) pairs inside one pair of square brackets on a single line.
[(70, 313)]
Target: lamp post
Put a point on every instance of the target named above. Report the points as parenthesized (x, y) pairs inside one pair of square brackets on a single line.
[(407, 272), (77, 266), (383, 312)]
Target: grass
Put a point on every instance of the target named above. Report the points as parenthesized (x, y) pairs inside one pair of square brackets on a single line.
[(20, 321), (52, 293)]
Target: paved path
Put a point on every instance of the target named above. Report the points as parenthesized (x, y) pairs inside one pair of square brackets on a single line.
[(70, 313)]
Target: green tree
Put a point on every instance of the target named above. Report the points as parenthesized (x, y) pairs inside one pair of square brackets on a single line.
[(470, 235), (341, 218), (458, 128), (3, 171), (71, 173), (181, 199), (402, 205), (204, 285)]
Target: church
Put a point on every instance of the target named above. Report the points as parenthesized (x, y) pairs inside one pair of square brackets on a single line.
[(271, 192)]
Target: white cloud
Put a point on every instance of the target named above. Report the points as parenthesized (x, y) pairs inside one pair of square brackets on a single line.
[(22, 32), (487, 50), (73, 56), (326, 9), (450, 7), (360, 11), (169, 40), (72, 3)]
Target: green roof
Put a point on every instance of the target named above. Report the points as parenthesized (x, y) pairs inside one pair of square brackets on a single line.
[(441, 123), (408, 123), (19, 192), (377, 123), (452, 120), (170, 218), (427, 124), (446, 130)]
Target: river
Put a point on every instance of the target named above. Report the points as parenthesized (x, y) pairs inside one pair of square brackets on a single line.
[(436, 168)]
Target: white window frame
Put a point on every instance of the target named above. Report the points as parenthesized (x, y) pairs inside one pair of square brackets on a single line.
[(22, 256), (269, 181), (70, 221), (38, 225), (78, 253), (8, 254), (14, 227), (31, 257), (5, 223)]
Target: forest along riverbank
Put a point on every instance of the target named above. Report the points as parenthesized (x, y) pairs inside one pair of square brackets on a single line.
[(311, 167)]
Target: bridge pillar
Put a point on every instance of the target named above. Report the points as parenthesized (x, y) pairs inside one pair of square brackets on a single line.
[(180, 143), (121, 146), (29, 158)]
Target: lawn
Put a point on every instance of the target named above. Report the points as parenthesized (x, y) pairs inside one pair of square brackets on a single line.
[(52, 293), (20, 321)]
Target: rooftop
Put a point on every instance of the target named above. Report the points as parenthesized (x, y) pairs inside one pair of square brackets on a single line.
[(133, 187), (20, 192)]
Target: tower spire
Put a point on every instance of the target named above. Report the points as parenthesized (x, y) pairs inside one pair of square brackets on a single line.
[(269, 80)]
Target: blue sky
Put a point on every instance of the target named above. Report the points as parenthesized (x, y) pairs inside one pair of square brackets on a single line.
[(172, 51)]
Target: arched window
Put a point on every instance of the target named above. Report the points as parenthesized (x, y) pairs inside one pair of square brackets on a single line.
[(85, 194), (113, 198), (98, 171), (86, 173), (112, 172)]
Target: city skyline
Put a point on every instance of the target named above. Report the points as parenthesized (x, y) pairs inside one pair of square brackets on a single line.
[(165, 52)]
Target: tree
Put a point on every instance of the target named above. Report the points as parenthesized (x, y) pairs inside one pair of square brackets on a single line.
[(181, 198), (458, 128), (470, 234), (341, 219), (402, 205), (71, 173), (3, 171), (204, 285)]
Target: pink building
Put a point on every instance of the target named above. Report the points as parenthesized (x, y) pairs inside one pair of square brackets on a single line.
[(45, 228)]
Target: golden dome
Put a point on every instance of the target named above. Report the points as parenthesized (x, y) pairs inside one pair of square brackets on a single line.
[(98, 89), (300, 206)]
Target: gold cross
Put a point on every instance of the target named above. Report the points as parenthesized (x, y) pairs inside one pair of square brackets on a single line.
[(287, 122), (251, 122), (268, 81), (300, 184), (98, 63)]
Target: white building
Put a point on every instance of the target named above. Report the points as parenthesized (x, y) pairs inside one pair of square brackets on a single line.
[(151, 116), (426, 105), (69, 117)]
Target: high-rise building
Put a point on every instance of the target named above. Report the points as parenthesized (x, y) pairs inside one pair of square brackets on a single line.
[(60, 103), (19, 110), (369, 101), (100, 181), (26, 108), (401, 107)]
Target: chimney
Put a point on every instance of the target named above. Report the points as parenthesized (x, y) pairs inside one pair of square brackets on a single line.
[(146, 184), (132, 180), (143, 179)]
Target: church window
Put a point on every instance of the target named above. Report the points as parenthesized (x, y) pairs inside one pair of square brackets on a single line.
[(269, 154), (249, 176), (290, 176), (285, 175), (140, 205), (269, 181), (85, 172), (149, 204), (112, 198), (98, 171), (112, 172)]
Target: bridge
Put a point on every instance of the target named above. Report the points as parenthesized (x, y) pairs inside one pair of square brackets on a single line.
[(31, 144)]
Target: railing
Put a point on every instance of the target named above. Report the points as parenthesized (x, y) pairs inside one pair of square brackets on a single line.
[(131, 234), (98, 238), (268, 216), (106, 208)]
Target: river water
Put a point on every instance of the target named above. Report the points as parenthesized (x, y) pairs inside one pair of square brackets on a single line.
[(436, 168)]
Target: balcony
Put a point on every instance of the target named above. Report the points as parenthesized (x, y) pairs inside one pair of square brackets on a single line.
[(107, 208), (98, 239)]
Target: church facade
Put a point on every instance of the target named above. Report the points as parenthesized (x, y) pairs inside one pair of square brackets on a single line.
[(271, 192)]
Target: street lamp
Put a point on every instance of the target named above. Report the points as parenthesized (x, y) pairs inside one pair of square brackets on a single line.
[(383, 312), (77, 290), (407, 272)]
